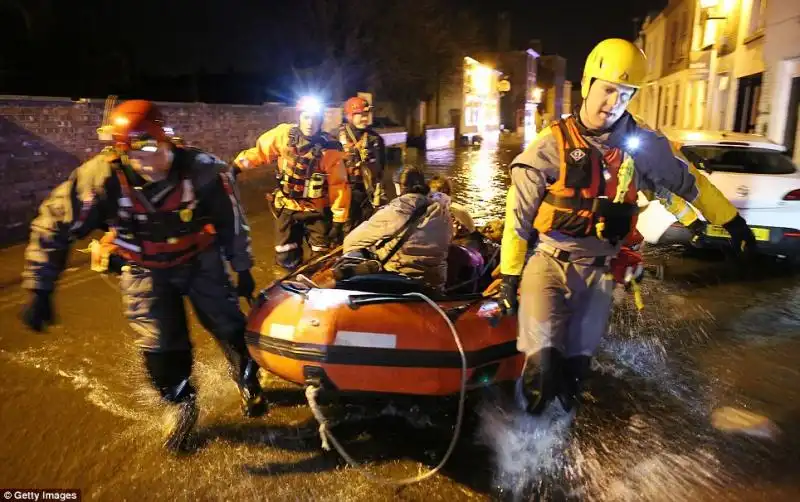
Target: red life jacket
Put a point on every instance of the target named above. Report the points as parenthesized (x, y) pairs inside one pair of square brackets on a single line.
[(165, 233)]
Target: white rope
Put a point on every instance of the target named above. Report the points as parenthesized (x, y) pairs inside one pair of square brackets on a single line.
[(326, 435)]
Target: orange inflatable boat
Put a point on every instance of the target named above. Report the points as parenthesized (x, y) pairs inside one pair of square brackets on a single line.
[(380, 334)]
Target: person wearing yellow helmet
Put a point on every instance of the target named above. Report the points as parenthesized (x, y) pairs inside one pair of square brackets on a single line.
[(573, 194)]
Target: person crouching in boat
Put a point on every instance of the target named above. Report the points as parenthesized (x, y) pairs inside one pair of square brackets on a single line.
[(411, 235)]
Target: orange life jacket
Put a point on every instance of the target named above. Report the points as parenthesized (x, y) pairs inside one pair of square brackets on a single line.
[(162, 234), (300, 173), (594, 195)]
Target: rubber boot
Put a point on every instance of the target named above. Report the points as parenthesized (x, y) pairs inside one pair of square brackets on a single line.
[(169, 372), (576, 372), (181, 419), (539, 383), (244, 371)]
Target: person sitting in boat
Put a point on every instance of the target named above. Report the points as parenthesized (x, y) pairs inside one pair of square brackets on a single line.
[(410, 235), (463, 224)]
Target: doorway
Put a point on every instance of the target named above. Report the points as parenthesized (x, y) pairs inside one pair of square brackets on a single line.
[(790, 136), (747, 103)]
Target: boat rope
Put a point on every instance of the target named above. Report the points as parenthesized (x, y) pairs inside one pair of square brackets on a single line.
[(328, 438)]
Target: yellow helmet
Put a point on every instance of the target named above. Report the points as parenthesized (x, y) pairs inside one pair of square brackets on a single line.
[(617, 61)]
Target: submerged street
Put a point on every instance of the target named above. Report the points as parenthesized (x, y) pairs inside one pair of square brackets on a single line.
[(77, 413)]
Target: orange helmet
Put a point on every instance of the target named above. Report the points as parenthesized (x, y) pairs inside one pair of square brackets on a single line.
[(356, 105), (136, 120)]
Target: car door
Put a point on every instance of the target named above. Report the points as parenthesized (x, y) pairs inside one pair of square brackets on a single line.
[(755, 179)]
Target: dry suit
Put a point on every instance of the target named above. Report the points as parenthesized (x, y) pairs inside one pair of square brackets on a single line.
[(175, 236), (313, 197), (577, 190), (365, 157)]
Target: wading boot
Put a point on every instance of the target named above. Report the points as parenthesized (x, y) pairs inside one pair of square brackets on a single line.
[(244, 371), (254, 403), (169, 373), (181, 416), (576, 371), (539, 383)]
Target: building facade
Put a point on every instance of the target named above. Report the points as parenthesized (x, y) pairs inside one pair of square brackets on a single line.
[(705, 65), (552, 81), (780, 96)]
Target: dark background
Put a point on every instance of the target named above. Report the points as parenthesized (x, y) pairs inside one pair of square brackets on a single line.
[(243, 51)]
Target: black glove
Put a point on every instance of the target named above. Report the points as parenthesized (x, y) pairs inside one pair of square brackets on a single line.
[(508, 294), (246, 284), (39, 311), (698, 229), (336, 235), (742, 238)]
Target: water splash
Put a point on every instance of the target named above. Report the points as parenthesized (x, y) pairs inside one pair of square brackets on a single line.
[(527, 450)]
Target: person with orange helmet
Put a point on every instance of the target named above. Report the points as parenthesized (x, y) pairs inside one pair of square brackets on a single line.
[(313, 198), (574, 193), (366, 159), (175, 218)]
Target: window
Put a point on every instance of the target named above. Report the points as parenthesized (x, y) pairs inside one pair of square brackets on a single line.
[(700, 95), (683, 42), (665, 103), (710, 32), (676, 99), (688, 115), (673, 41), (739, 159), (758, 13)]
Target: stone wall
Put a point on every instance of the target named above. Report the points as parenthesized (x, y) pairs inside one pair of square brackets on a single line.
[(43, 139)]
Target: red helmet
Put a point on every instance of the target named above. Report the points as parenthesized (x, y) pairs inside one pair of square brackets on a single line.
[(356, 105), (136, 120)]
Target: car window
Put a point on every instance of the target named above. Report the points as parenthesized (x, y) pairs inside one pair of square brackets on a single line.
[(736, 159)]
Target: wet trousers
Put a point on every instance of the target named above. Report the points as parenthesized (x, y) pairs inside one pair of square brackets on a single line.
[(564, 305), (292, 227), (153, 301)]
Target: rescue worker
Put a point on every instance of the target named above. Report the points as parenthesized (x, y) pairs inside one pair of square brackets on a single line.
[(576, 185), (366, 159), (411, 234), (313, 198), (175, 218)]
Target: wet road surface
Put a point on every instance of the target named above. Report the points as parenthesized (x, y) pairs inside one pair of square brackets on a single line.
[(75, 411)]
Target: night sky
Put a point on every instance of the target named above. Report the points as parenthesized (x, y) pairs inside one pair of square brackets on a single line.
[(240, 32), (216, 36), (569, 28)]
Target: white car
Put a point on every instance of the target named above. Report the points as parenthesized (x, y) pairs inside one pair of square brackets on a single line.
[(755, 174)]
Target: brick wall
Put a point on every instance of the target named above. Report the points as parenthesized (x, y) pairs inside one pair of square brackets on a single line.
[(43, 139)]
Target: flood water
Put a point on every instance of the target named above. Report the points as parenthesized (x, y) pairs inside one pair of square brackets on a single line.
[(76, 412)]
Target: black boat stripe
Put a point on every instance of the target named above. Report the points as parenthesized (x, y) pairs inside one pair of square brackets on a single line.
[(372, 356)]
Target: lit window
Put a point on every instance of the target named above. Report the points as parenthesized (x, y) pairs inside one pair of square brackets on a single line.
[(676, 99), (757, 16), (710, 33)]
